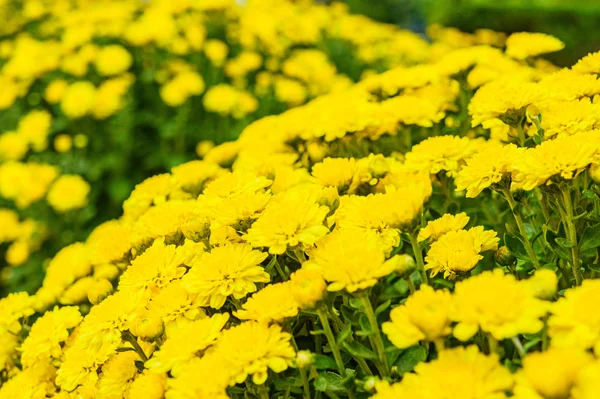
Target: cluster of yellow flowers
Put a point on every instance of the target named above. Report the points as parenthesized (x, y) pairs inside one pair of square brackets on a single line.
[(84, 83), (326, 251)]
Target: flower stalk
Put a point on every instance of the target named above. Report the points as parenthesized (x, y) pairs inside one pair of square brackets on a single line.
[(521, 226), (377, 339), (571, 235), (416, 247)]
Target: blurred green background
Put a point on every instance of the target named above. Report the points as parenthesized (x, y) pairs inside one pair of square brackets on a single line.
[(576, 22)]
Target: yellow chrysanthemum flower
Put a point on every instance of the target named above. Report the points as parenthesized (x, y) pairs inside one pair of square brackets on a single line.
[(251, 348), (564, 157), (550, 374), (229, 270), (424, 316), (113, 60), (336, 172), (273, 303), (486, 168), (292, 219), (456, 373), (184, 342), (351, 259), (152, 191), (149, 386), (109, 242), (197, 379), (117, 375), (499, 98), (152, 270), (563, 118), (573, 322), (13, 146), (437, 228), (13, 307), (308, 287), (35, 127), (459, 251), (498, 304), (55, 91), (588, 64), (79, 99), (437, 154), (47, 335), (587, 386), (97, 338), (174, 303), (525, 44), (68, 192)]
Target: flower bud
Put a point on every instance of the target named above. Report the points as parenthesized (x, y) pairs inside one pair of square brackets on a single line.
[(308, 287), (148, 327), (106, 271), (204, 147), (63, 143), (304, 359), (543, 284), (196, 228), (18, 253), (77, 292), (99, 290), (504, 257), (595, 173), (370, 383), (405, 264)]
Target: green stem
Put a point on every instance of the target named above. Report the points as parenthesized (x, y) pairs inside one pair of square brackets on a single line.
[(572, 235), (281, 272), (263, 391), (418, 256), (361, 362), (411, 285), (378, 340), (127, 336), (305, 384), (492, 344), (520, 349), (521, 225), (521, 134), (332, 343)]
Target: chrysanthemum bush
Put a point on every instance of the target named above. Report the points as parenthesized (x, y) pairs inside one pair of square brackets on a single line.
[(402, 238), (97, 96)]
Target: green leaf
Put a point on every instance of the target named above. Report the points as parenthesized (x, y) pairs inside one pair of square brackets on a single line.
[(590, 238), (359, 350), (350, 315), (365, 326), (329, 382), (557, 249), (125, 349), (410, 358), (516, 247), (356, 303), (383, 306), (530, 344), (563, 242), (287, 383), (323, 362), (588, 194), (343, 335), (139, 365)]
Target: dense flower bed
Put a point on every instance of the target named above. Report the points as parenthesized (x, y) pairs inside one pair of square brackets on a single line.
[(98, 96), (402, 238)]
